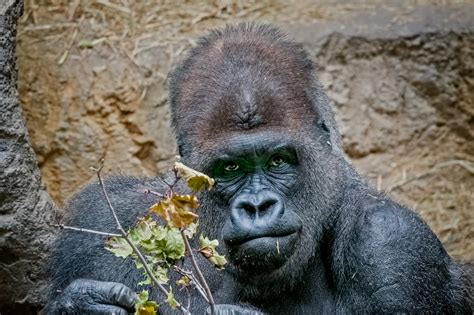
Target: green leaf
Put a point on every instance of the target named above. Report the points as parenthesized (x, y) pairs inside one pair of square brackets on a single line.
[(205, 242), (147, 280), (143, 306), (191, 229), (171, 300), (218, 261), (175, 247), (142, 230), (119, 247), (161, 274), (208, 249), (143, 296), (183, 281), (159, 232)]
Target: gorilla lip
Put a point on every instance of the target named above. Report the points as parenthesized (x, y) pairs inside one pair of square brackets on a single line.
[(242, 240)]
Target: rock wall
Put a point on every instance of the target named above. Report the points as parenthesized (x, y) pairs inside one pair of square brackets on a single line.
[(26, 212), (402, 82)]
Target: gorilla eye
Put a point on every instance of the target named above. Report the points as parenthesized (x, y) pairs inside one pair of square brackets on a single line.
[(231, 166), (277, 161)]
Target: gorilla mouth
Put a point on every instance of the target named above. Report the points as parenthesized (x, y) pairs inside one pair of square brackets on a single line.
[(258, 238), (262, 253), (237, 240)]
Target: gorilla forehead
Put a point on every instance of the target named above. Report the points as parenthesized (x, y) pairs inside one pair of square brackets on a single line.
[(241, 78), (252, 101)]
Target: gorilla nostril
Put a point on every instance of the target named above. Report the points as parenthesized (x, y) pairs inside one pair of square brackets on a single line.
[(249, 208), (266, 205)]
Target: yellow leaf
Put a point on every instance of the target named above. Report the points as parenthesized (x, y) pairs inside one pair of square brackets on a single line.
[(196, 181), (185, 202), (176, 210), (163, 209), (183, 281), (147, 310), (143, 306)]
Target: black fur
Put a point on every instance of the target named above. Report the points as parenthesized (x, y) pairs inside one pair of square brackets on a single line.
[(303, 232)]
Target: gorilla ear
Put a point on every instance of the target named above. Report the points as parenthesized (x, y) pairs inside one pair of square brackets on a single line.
[(323, 130), (321, 125), (325, 121), (324, 126), (182, 144)]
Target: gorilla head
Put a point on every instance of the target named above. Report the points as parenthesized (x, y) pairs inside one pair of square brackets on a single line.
[(248, 111)]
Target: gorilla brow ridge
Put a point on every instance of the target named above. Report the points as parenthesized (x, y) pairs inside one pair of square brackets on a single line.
[(204, 59)]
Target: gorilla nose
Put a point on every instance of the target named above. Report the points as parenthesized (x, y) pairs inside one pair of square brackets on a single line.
[(257, 208), (250, 210)]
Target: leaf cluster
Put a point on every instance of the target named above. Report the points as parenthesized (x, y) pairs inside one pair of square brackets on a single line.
[(162, 246)]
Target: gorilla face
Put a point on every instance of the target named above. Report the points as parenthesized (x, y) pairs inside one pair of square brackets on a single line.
[(255, 174), (263, 207)]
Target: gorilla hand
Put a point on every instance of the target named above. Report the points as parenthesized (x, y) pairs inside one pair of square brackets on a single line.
[(84, 296), (228, 309)]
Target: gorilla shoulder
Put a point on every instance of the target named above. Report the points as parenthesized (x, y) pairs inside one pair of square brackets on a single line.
[(399, 263), (389, 227)]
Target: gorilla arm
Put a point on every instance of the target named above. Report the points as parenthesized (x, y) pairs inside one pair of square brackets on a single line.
[(396, 264), (77, 257), (85, 278)]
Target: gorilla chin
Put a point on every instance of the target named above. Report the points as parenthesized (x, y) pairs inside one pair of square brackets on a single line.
[(262, 255)]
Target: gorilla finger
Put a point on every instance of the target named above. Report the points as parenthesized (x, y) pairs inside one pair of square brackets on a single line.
[(118, 294), (104, 309)]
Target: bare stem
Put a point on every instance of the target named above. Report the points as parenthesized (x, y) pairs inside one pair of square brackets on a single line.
[(66, 227), (196, 268), (193, 279), (102, 186), (129, 241), (152, 192)]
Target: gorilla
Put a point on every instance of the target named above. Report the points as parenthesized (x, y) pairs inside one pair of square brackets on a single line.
[(303, 232)]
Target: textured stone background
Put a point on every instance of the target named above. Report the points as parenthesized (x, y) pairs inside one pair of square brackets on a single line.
[(92, 84)]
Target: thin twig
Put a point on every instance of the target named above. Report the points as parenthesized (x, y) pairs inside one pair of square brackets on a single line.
[(129, 241), (102, 186), (147, 191), (465, 164), (66, 227), (115, 6), (68, 49), (191, 276), (196, 268), (44, 27)]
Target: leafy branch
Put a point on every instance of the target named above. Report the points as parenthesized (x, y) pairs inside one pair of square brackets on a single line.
[(156, 248), (129, 241)]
